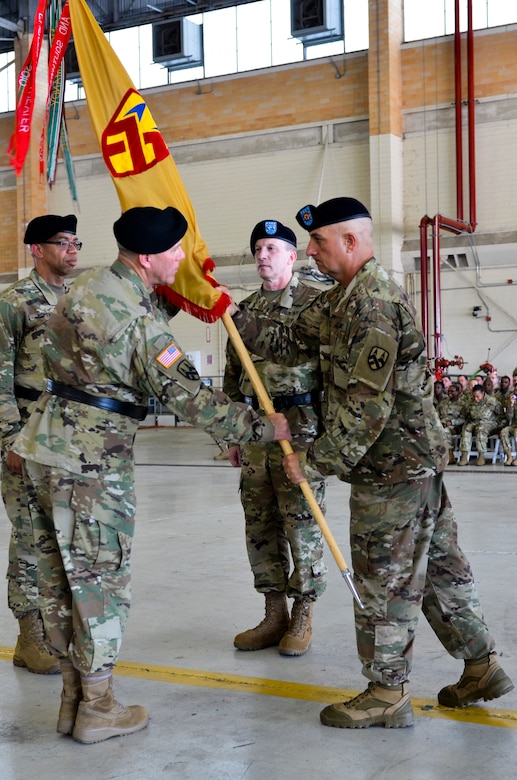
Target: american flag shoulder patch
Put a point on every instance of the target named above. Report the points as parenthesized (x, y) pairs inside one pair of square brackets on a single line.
[(169, 355)]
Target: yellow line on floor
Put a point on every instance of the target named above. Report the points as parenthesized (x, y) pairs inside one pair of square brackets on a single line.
[(482, 715)]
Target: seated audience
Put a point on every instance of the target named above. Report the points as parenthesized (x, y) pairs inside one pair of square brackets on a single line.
[(439, 391), (482, 419), (510, 429), (463, 382), (504, 390), (450, 412)]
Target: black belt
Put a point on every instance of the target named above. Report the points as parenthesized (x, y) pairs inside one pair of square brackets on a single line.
[(101, 402), (282, 402), (27, 393)]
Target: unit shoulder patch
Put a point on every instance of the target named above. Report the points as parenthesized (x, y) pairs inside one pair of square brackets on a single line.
[(376, 360)]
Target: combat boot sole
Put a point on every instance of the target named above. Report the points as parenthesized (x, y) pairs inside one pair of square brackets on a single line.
[(376, 706), (255, 639), (92, 726), (498, 685), (398, 720), (292, 645), (45, 667)]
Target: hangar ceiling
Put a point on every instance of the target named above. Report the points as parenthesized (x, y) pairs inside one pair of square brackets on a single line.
[(16, 15)]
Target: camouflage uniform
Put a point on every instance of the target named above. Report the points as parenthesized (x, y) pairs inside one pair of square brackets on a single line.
[(503, 396), (108, 339), (451, 416), (276, 513), (24, 309), (382, 434), (482, 420), (510, 429)]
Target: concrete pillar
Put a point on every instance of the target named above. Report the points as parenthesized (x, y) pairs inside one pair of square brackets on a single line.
[(386, 127)]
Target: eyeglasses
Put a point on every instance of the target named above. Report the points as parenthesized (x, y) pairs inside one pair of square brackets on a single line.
[(64, 244)]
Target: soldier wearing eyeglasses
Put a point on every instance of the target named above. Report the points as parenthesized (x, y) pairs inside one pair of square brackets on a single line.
[(25, 307)]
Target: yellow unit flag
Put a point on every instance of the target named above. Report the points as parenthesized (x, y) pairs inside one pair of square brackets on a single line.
[(139, 161)]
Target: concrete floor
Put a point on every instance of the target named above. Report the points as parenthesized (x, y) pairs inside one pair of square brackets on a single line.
[(221, 714)]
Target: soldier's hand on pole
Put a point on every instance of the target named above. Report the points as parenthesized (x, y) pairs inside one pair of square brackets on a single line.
[(232, 308), (292, 468), (282, 432), (14, 462)]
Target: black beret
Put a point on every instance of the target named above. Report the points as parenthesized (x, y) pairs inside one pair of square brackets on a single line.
[(40, 229), (147, 230), (330, 212), (271, 228)]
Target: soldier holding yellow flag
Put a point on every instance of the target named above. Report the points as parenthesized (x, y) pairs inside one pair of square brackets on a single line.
[(108, 348)]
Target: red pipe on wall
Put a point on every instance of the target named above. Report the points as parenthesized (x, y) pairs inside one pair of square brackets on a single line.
[(458, 110), (471, 120), (439, 221)]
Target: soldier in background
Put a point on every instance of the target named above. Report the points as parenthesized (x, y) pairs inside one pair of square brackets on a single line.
[(25, 307), (483, 417), (382, 434), (438, 391), (450, 413), (463, 382), (279, 524), (509, 429), (504, 390), (107, 349)]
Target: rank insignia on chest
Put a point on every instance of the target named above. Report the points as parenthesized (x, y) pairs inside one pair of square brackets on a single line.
[(169, 355), (377, 358)]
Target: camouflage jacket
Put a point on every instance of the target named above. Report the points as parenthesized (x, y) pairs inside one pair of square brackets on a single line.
[(450, 411), (108, 338), (279, 379), (380, 424), (488, 411), (25, 307)]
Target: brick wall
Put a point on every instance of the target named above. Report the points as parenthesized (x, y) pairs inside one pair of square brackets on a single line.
[(282, 98)]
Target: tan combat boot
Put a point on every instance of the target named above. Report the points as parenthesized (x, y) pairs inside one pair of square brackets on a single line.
[(481, 679), (480, 460), (270, 631), (464, 460), (30, 651), (101, 717), (378, 705), (452, 459), (508, 459), (71, 695), (297, 639)]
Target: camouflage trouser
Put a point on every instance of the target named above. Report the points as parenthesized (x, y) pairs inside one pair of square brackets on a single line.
[(405, 557), (506, 436), (481, 431), (450, 431), (22, 574), (278, 520), (83, 531)]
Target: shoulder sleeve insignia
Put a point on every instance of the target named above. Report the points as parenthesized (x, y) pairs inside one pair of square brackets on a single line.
[(169, 355), (377, 358), (187, 370)]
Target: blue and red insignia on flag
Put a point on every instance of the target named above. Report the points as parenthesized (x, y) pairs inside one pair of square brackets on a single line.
[(131, 143), (169, 355)]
